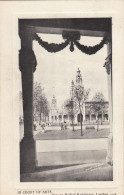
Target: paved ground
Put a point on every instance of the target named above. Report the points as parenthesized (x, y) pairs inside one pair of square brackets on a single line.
[(84, 172), (72, 157), (53, 132), (71, 145), (70, 151), (68, 156), (69, 134)]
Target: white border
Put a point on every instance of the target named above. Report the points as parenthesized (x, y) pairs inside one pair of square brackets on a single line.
[(62, 10)]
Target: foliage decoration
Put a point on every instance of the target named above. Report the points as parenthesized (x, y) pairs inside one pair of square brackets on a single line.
[(72, 38), (108, 63), (51, 47), (90, 50)]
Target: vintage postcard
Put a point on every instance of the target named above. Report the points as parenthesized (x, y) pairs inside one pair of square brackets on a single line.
[(62, 98)]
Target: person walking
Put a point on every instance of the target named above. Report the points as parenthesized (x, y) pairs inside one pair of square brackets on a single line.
[(43, 127), (35, 126), (65, 126), (62, 126)]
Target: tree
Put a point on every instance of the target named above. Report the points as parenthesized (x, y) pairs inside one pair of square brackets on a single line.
[(97, 105), (81, 95), (40, 103), (70, 109)]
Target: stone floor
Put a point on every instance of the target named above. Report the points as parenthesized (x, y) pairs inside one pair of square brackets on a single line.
[(83, 172)]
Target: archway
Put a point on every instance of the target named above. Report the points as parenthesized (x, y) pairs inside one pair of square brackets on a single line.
[(60, 117), (93, 117), (27, 63), (80, 118), (99, 117), (65, 117), (71, 117), (105, 117), (87, 117)]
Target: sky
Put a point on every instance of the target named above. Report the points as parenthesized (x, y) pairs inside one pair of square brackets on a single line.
[(55, 71)]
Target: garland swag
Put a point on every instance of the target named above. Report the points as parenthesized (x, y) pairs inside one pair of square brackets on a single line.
[(53, 47), (90, 50)]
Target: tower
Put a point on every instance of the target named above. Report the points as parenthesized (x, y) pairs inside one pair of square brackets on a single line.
[(78, 78), (72, 89), (54, 102), (53, 111)]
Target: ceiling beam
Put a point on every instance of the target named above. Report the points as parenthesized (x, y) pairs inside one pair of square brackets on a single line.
[(47, 30)]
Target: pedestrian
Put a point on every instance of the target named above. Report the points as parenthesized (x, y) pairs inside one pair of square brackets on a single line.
[(35, 127), (65, 127), (62, 126)]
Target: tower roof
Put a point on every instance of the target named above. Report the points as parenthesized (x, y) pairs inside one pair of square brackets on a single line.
[(78, 77)]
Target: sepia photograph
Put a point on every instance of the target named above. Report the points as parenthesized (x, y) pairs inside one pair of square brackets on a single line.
[(61, 97), (65, 99)]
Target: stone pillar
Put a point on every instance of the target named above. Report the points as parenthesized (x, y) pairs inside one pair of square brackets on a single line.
[(108, 66), (102, 117), (89, 117), (84, 112), (27, 64)]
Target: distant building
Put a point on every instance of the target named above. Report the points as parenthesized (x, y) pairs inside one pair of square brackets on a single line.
[(53, 114), (57, 116), (88, 116)]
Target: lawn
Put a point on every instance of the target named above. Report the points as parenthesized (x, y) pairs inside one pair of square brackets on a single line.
[(69, 134)]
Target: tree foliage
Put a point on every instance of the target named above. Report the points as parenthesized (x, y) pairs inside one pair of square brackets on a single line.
[(70, 107), (40, 103), (81, 95), (98, 105)]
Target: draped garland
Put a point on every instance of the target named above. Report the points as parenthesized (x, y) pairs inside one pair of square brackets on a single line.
[(108, 63), (90, 50), (53, 47)]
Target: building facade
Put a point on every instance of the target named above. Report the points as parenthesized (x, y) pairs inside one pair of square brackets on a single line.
[(88, 116)]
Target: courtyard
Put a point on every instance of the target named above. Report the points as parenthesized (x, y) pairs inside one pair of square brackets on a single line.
[(54, 133), (65, 155)]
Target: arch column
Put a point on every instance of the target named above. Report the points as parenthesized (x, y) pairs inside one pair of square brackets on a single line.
[(108, 66), (27, 65), (84, 112)]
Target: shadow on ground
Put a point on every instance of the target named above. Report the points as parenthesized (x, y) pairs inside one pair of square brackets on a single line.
[(89, 172), (52, 167)]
